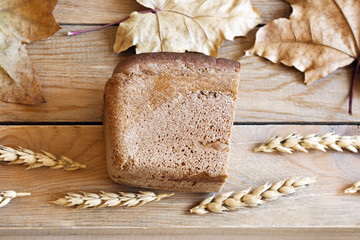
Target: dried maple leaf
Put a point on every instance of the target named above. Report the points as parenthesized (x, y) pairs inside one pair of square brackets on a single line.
[(22, 21), (318, 38), (186, 25)]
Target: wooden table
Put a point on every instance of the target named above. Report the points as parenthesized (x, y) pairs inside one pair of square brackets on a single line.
[(272, 100)]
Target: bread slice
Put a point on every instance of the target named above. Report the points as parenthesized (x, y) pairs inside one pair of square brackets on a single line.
[(168, 119)]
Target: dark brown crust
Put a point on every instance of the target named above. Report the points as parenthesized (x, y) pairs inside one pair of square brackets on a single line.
[(171, 185), (194, 59)]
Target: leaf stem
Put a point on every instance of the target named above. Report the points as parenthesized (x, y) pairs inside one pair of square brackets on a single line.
[(110, 24), (353, 85)]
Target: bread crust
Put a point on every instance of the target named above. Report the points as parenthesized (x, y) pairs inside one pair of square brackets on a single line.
[(152, 83), (145, 61)]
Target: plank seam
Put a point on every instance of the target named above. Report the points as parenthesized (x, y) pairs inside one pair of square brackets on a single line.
[(235, 123)]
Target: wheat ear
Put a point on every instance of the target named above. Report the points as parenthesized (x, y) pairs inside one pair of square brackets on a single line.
[(105, 199), (312, 141), (36, 160), (7, 196), (230, 201), (354, 188)]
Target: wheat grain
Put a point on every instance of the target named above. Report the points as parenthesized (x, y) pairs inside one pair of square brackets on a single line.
[(36, 160), (354, 188), (7, 196), (105, 199), (229, 201), (312, 141)]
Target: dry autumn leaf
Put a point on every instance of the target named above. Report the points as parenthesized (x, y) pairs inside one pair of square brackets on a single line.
[(318, 38), (22, 21), (186, 25)]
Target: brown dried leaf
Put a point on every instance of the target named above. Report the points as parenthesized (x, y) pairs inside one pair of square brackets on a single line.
[(179, 26), (318, 38), (22, 21)]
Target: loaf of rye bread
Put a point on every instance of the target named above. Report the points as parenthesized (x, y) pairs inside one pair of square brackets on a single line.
[(168, 119)]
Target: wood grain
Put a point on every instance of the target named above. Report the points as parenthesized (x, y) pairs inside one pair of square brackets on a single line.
[(246, 234), (106, 11), (74, 70), (276, 93), (320, 207)]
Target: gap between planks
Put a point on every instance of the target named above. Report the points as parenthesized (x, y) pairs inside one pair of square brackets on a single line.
[(234, 124)]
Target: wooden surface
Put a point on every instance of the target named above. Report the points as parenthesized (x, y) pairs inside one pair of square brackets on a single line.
[(105, 11), (322, 205), (272, 100), (82, 64)]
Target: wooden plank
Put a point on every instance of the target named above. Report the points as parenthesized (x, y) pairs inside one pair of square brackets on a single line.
[(73, 71), (276, 93), (320, 209), (246, 234), (106, 11)]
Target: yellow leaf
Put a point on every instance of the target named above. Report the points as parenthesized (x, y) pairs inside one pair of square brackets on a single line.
[(318, 38), (22, 21), (186, 25)]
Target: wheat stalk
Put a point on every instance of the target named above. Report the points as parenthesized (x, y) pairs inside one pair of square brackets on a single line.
[(36, 160), (311, 141), (354, 188), (230, 201), (7, 196), (105, 199)]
